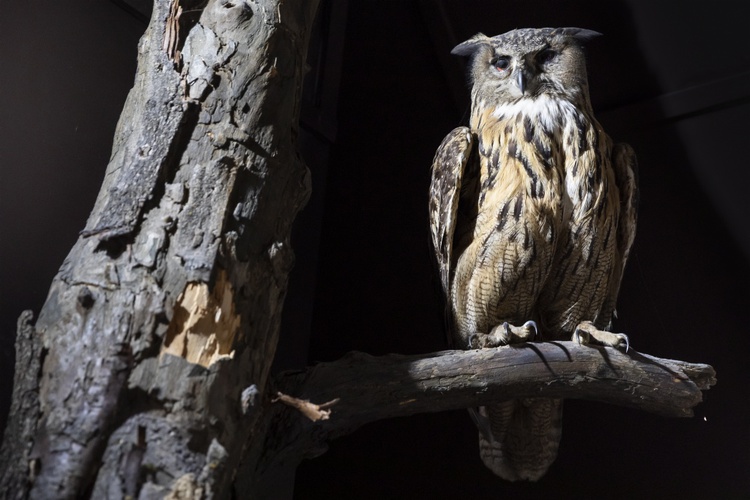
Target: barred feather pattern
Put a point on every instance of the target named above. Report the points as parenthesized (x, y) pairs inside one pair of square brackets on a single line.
[(532, 215)]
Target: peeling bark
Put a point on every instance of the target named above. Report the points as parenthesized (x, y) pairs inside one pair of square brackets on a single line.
[(167, 308)]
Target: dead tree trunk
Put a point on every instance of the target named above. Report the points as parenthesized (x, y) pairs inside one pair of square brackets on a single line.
[(165, 314), (146, 373)]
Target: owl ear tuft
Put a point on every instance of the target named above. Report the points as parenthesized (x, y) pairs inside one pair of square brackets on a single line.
[(470, 46), (580, 35)]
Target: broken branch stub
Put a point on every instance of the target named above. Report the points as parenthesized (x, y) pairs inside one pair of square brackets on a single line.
[(311, 410)]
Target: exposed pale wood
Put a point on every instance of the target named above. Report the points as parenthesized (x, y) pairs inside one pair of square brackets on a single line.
[(204, 324)]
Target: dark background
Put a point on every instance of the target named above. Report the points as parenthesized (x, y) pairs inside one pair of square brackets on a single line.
[(672, 78)]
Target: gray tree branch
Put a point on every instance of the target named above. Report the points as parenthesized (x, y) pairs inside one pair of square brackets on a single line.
[(368, 388)]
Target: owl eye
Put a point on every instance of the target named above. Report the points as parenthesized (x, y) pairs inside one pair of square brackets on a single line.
[(546, 56), (500, 62)]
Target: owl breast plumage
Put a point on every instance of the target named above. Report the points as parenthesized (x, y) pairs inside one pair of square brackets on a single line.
[(532, 213)]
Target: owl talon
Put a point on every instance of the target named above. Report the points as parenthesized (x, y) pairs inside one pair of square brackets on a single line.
[(586, 331), (505, 334), (500, 335), (529, 325), (473, 341)]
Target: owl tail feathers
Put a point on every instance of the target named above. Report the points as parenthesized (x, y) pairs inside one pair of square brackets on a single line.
[(523, 437)]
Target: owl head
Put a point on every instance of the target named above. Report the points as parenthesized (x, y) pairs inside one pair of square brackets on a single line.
[(528, 63)]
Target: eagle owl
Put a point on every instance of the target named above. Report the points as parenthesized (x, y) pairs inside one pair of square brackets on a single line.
[(532, 213)]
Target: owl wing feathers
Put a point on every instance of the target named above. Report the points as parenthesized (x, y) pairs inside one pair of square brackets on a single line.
[(448, 169), (625, 167), (626, 174)]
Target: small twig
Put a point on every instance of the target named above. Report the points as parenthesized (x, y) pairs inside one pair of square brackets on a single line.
[(310, 410)]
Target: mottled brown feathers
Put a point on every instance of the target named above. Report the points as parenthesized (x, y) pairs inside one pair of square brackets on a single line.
[(451, 156), (532, 212)]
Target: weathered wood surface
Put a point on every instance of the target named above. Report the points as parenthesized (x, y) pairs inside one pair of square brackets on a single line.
[(360, 388), (168, 306)]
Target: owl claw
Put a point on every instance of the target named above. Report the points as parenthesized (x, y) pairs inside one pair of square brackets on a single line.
[(532, 324), (473, 341), (505, 334), (500, 335), (586, 331)]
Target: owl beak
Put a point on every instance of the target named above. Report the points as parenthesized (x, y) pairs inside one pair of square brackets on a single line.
[(521, 80)]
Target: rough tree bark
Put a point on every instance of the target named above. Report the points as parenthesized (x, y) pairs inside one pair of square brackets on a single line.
[(166, 311), (146, 374)]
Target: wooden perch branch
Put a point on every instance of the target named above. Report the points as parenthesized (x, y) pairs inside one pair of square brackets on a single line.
[(371, 388)]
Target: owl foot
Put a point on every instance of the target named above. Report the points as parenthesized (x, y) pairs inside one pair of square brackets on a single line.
[(506, 333), (586, 332)]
